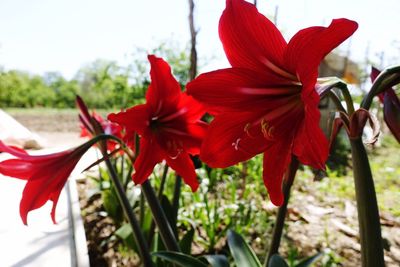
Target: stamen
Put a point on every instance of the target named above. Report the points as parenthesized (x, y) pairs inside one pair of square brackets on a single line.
[(266, 129), (271, 132), (179, 151), (279, 71), (236, 144), (247, 130), (174, 115), (159, 106)]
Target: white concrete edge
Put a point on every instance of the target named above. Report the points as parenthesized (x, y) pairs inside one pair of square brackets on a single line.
[(78, 244)]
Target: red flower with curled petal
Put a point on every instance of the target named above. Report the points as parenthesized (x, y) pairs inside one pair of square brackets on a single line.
[(267, 102), (391, 106), (46, 175), (169, 125), (88, 125)]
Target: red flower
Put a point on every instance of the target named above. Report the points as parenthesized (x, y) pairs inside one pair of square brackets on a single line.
[(267, 101), (89, 122), (391, 106), (169, 125), (46, 175)]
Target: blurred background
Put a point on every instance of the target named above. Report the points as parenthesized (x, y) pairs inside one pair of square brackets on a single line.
[(53, 49)]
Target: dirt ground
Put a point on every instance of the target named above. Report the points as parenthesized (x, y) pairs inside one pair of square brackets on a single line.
[(61, 122), (331, 224)]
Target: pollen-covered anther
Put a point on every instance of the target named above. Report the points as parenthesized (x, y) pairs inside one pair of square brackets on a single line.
[(247, 130), (267, 129)]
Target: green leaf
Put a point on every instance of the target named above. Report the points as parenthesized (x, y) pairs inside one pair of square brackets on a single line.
[(186, 242), (179, 259), (112, 206), (277, 261), (387, 78), (217, 260), (326, 84), (126, 235), (124, 231), (242, 253), (310, 260)]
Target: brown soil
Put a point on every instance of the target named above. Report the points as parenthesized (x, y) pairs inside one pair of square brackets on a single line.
[(102, 244), (49, 122)]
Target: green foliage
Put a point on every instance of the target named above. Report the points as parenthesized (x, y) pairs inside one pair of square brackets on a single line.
[(242, 253), (180, 259), (277, 261), (102, 83)]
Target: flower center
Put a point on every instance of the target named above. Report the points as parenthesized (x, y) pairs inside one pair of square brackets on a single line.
[(155, 124)]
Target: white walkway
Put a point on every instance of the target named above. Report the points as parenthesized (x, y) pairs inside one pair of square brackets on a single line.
[(42, 244)]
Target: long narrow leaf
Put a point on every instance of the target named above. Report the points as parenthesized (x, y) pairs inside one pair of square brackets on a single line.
[(179, 259), (242, 253), (217, 260), (310, 260), (186, 242), (277, 261)]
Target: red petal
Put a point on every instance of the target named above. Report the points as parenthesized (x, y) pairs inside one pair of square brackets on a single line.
[(135, 119), (391, 112), (374, 73), (33, 197), (54, 198), (164, 90), (187, 137), (84, 116), (250, 40), (46, 184), (228, 143), (190, 108), (238, 89), (16, 168), (183, 165), (15, 151), (196, 133), (276, 160), (309, 46), (149, 155), (310, 144), (357, 122), (336, 126)]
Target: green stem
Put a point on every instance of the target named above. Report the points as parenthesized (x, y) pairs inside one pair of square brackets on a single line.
[(280, 217), (163, 180), (137, 232), (160, 194), (349, 100), (166, 233), (333, 96), (385, 79), (177, 194), (367, 207), (126, 206), (175, 199), (142, 210)]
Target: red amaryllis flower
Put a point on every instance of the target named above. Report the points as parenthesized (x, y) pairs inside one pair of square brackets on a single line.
[(391, 106), (267, 101), (93, 125), (46, 175), (169, 125)]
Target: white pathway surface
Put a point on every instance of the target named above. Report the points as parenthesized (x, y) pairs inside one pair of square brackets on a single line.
[(13, 133), (42, 244)]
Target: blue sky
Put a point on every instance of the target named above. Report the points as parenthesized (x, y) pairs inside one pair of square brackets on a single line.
[(61, 35)]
